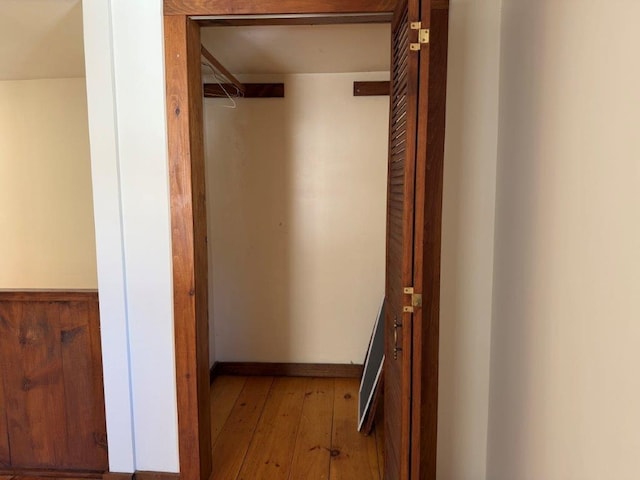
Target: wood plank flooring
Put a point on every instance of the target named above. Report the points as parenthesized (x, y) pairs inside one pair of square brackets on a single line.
[(291, 428), (31, 477)]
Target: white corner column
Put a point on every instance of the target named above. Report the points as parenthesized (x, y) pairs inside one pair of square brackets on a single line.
[(127, 124)]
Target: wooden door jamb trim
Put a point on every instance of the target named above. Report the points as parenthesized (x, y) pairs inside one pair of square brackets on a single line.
[(189, 344), (186, 180), (431, 128), (275, 7), (286, 7)]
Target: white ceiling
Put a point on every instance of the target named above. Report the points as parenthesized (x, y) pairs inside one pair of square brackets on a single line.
[(300, 49), (41, 39)]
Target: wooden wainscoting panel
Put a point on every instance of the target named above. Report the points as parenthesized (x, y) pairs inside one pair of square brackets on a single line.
[(22, 474), (5, 452), (34, 388), (52, 389), (82, 370)]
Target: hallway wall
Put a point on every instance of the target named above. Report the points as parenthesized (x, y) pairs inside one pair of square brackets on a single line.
[(564, 384)]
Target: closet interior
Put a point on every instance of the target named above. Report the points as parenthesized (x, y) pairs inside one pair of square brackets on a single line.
[(296, 130)]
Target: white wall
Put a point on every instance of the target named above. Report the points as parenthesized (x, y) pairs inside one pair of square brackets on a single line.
[(125, 84), (47, 237), (297, 207), (564, 383), (467, 238)]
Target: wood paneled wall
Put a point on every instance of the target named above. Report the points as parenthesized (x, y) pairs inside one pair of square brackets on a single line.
[(52, 413)]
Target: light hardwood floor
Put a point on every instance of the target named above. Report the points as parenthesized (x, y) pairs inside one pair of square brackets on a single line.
[(287, 428)]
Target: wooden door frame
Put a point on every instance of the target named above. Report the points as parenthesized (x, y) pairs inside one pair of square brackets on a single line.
[(428, 212), (188, 220)]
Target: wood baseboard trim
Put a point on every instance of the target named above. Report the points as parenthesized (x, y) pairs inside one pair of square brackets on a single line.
[(335, 370), (36, 295), (117, 476), (37, 473), (141, 475), (214, 371)]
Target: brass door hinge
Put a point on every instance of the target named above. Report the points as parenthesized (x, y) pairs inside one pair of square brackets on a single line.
[(416, 300), (423, 36)]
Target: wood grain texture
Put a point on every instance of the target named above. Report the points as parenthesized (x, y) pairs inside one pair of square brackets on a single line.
[(371, 89), (275, 7), (146, 475), (40, 436), (141, 475), (379, 434), (48, 296), (52, 390), (5, 451), (52, 474), (189, 243), (38, 477), (271, 450), (312, 441), (315, 20), (59, 476), (117, 476), (80, 352), (353, 455), (400, 242), (231, 447), (312, 452), (430, 158), (224, 393), (331, 370), (251, 90)]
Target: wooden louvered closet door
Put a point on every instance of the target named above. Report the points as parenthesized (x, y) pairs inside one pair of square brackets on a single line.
[(403, 144)]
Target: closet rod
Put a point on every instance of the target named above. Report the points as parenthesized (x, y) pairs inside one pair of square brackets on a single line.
[(218, 66)]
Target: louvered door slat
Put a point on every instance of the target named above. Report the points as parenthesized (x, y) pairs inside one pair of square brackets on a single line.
[(399, 271)]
